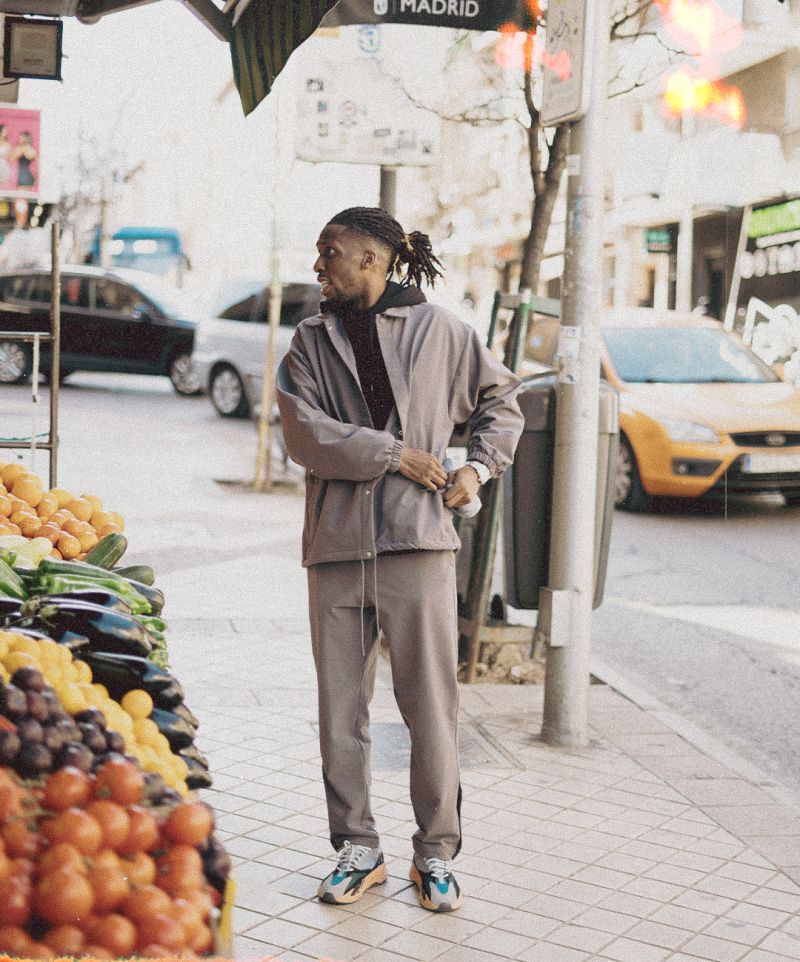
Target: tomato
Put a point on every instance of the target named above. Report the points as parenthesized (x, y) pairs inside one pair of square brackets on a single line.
[(152, 952), (139, 869), (65, 940), (189, 823), (143, 835), (179, 868), (113, 819), (76, 827), (15, 901), (14, 940), (5, 865), (190, 918), (97, 952), (60, 855), (161, 929), (198, 897), (119, 780), (10, 799), (110, 887), (203, 942), (66, 788), (22, 868), (106, 858), (63, 896), (145, 901), (39, 950), (115, 933), (19, 840)]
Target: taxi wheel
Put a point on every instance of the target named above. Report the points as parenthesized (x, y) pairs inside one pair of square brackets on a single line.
[(629, 493)]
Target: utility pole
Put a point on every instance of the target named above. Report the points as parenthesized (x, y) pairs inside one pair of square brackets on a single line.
[(388, 196), (566, 605)]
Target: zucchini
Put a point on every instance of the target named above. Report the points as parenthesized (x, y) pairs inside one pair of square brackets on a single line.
[(11, 585), (153, 595), (141, 573), (107, 552)]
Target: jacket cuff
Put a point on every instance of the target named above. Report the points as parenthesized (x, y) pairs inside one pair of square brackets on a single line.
[(394, 458), (477, 455), (481, 470)]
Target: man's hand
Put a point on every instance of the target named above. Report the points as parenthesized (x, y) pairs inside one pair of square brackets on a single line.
[(465, 486), (423, 468)]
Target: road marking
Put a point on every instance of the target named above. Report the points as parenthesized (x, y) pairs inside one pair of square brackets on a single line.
[(773, 626)]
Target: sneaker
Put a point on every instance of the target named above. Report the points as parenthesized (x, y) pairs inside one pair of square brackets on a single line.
[(357, 869), (437, 889)]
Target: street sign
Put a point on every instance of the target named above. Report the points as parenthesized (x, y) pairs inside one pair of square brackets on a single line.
[(458, 14), (565, 94), (343, 118)]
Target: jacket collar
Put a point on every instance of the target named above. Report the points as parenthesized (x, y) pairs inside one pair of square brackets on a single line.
[(318, 319)]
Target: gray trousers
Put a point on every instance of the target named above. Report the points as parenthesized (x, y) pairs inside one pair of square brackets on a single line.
[(416, 608)]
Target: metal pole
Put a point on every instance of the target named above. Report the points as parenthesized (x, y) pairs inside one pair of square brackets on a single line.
[(683, 262), (736, 280), (388, 198), (55, 346), (568, 601), (264, 473)]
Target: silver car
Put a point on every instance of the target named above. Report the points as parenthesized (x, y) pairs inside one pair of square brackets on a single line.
[(230, 350)]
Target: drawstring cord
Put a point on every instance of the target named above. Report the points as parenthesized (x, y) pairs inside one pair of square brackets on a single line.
[(374, 576)]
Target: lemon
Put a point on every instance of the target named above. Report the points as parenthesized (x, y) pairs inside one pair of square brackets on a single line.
[(22, 643), (137, 703), (18, 659), (84, 672), (3, 646), (145, 731), (72, 698), (4, 675)]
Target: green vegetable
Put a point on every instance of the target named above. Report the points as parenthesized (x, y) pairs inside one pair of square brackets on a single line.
[(11, 585), (55, 584), (142, 573), (107, 552)]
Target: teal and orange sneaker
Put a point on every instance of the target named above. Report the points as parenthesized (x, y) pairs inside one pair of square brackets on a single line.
[(437, 889), (357, 868)]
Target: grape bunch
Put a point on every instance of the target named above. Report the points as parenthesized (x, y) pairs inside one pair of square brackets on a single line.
[(37, 735)]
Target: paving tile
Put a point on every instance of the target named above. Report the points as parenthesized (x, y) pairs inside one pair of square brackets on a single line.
[(682, 917), (417, 945), (730, 888), (758, 915), (759, 819), (714, 950), (329, 946), (314, 914), (605, 877), (547, 952), (395, 912), (462, 953), (736, 931), (652, 889), (775, 899), (627, 950), (280, 932), (580, 937), (759, 955), (247, 948), (450, 926), (705, 902), (501, 942), (612, 923), (626, 903), (380, 955), (554, 908), (657, 933), (359, 928), (525, 923), (244, 919), (579, 892), (782, 850)]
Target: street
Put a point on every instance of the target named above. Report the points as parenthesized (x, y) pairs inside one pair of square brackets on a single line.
[(700, 609)]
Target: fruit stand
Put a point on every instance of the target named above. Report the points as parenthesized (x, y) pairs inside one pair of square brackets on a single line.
[(105, 851)]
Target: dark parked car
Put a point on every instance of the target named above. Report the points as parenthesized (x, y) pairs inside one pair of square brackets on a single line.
[(111, 320)]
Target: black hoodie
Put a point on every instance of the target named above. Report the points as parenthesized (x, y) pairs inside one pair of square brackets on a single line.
[(360, 327)]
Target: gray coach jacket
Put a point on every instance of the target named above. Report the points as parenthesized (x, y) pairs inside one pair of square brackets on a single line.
[(441, 374)]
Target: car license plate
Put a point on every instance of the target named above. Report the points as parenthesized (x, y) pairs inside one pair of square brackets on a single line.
[(770, 463)]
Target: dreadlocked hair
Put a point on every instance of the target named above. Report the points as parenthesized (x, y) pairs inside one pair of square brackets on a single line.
[(411, 255)]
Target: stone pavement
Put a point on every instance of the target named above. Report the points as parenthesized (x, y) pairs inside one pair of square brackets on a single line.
[(639, 848)]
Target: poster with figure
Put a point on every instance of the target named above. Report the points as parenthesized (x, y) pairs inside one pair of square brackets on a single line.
[(19, 152)]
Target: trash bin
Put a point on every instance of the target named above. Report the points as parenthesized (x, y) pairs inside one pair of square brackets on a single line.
[(528, 488)]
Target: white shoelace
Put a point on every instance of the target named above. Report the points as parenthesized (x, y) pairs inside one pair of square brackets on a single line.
[(439, 868), (350, 856)]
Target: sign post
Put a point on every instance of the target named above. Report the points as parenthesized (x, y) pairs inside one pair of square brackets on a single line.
[(577, 30)]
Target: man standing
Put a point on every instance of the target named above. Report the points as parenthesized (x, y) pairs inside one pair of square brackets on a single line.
[(369, 393)]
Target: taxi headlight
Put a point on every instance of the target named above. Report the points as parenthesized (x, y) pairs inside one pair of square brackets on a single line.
[(688, 431)]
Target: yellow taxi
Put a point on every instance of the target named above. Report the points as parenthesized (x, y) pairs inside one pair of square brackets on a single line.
[(700, 413)]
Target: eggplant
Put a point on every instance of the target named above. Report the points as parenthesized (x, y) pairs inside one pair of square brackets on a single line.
[(104, 629), (10, 607), (187, 715), (197, 777), (178, 731), (92, 596), (122, 673), (191, 752)]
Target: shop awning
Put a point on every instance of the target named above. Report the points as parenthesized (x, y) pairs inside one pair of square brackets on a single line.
[(265, 32)]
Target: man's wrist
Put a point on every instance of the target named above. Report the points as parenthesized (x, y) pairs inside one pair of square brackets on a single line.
[(480, 469)]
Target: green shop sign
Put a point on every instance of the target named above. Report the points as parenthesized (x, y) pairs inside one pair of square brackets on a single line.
[(658, 240), (777, 219)]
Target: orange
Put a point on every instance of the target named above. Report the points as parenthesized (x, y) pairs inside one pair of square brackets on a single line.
[(100, 519), (108, 529), (29, 488), (80, 508), (116, 518), (94, 501), (47, 506), (11, 472), (69, 547), (31, 527), (55, 553), (19, 516), (73, 527), (51, 531), (13, 529), (88, 540), (62, 497), (6, 505)]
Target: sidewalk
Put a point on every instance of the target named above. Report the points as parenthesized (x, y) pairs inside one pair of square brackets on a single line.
[(639, 848)]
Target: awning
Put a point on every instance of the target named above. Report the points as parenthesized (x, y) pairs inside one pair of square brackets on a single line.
[(266, 32)]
